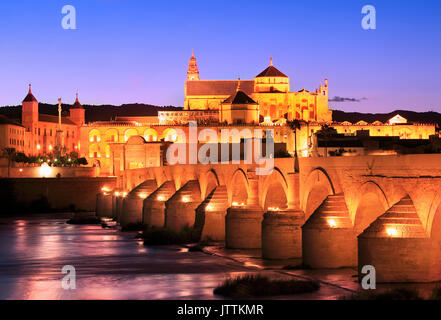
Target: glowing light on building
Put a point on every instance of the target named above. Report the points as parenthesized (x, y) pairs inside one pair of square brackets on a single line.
[(237, 204), (273, 209), (160, 198), (116, 194), (392, 232), (38, 147), (209, 207), (124, 194), (185, 199), (105, 189), (50, 147), (142, 195), (267, 121), (45, 170), (332, 223)]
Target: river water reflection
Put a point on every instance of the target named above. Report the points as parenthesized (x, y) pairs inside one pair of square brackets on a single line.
[(109, 264)]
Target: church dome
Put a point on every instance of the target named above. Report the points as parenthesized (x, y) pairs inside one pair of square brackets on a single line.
[(271, 71)]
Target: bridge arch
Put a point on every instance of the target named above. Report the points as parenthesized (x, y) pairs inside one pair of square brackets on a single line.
[(371, 204), (208, 181), (278, 186), (317, 187), (433, 222), (238, 187)]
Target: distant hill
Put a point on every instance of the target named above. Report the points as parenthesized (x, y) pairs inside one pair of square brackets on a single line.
[(411, 116), (108, 112), (95, 113)]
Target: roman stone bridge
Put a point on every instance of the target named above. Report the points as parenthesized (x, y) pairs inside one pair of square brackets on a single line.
[(338, 211)]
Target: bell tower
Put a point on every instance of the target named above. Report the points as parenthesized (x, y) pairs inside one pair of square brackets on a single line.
[(193, 71)]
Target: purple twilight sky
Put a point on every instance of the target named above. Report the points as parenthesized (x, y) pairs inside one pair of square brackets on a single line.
[(138, 51)]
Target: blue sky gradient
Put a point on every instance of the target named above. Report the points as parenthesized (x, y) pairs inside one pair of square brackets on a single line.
[(127, 51)]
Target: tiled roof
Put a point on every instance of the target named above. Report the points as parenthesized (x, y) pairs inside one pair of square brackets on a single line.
[(271, 71), (240, 97), (30, 98), (77, 104), (218, 87), (53, 119), (6, 120)]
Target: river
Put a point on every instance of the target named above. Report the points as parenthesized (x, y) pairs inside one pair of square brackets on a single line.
[(109, 264)]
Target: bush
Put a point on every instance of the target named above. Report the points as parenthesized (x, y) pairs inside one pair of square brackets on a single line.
[(82, 161), (163, 236), (436, 294), (282, 154), (252, 286), (84, 219), (41, 205), (138, 226), (296, 267), (393, 294)]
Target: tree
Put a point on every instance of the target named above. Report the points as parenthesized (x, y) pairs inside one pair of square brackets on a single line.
[(82, 161), (10, 154), (326, 132), (295, 125), (20, 157)]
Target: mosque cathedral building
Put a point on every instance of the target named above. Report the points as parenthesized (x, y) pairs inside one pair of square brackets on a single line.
[(133, 142)]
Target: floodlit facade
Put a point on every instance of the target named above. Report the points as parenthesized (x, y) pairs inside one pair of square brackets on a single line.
[(265, 102)]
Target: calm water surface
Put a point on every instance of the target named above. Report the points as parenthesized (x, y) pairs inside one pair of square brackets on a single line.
[(109, 264)]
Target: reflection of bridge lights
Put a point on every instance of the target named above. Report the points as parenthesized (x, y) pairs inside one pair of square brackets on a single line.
[(142, 195), (392, 232), (332, 223), (209, 207), (185, 199), (160, 198)]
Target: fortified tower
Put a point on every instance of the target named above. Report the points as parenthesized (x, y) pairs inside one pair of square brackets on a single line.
[(30, 112), (77, 113)]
